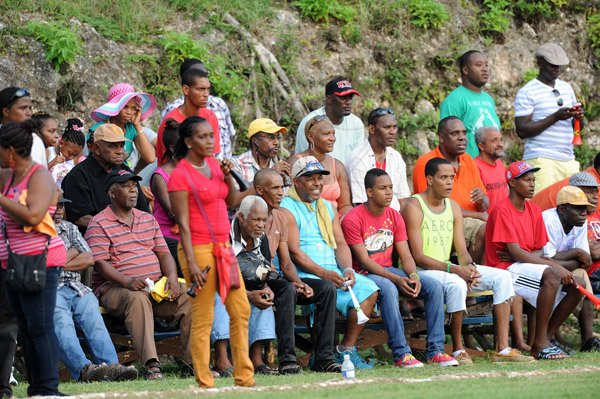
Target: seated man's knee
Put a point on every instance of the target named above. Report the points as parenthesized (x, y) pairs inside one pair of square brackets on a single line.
[(550, 278), (388, 291)]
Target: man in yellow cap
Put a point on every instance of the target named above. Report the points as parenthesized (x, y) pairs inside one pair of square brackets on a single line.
[(263, 141), (568, 246)]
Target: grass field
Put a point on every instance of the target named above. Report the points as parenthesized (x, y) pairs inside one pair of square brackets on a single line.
[(573, 378)]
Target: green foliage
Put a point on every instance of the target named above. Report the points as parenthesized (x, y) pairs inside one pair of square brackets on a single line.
[(529, 75), (536, 10), (585, 154), (61, 44), (592, 27), (325, 10), (408, 125), (495, 18), (513, 153), (427, 14), (227, 80)]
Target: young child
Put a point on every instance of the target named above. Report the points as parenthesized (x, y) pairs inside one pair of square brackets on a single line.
[(70, 148), (47, 130)]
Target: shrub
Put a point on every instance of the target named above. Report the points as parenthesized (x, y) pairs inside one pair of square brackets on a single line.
[(496, 17), (61, 44), (592, 27), (324, 10), (427, 14)]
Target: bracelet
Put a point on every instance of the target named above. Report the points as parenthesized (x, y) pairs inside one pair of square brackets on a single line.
[(472, 264), (348, 269), (448, 263), (414, 276)]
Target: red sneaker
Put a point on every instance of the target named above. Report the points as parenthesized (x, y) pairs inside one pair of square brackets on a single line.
[(443, 360)]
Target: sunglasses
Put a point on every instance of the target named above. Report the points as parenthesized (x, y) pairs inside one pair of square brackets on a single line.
[(311, 166), (559, 100), (314, 121), (22, 92), (378, 113)]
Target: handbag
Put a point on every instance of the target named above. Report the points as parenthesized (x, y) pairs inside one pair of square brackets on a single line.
[(227, 265), (25, 273)]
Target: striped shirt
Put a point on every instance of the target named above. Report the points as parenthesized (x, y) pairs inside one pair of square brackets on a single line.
[(130, 250), (540, 100), (33, 242), (363, 159), (72, 238)]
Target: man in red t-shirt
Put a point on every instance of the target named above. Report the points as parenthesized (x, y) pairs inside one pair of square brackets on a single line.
[(491, 167), (468, 190), (372, 230), (196, 88), (514, 240)]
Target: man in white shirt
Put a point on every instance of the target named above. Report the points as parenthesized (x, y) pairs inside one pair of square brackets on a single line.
[(378, 152), (545, 112), (568, 245), (349, 129)]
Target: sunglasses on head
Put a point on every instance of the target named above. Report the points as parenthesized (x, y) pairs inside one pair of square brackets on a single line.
[(559, 100), (314, 121), (378, 113), (22, 92)]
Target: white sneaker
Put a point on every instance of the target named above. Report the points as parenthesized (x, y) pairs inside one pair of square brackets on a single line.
[(13, 381)]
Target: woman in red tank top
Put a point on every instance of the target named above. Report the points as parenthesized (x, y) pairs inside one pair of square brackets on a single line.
[(22, 180)]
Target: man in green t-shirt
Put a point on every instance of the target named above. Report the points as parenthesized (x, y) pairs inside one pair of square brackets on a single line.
[(469, 102)]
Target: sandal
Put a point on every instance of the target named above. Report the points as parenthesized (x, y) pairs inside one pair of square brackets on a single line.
[(153, 371), (266, 370), (551, 353)]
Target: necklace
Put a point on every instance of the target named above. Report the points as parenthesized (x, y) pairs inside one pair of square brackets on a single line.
[(199, 167), (24, 172)]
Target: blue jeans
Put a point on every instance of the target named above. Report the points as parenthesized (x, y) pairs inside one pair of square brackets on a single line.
[(71, 312), (35, 315), (432, 293), (220, 327)]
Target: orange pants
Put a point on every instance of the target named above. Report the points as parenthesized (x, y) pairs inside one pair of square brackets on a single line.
[(238, 309)]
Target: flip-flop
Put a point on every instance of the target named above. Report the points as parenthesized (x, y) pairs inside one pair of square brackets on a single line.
[(551, 353)]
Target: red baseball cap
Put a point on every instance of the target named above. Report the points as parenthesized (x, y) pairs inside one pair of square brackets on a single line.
[(340, 87), (519, 168)]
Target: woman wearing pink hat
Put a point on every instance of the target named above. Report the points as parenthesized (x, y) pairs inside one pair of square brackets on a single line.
[(127, 109)]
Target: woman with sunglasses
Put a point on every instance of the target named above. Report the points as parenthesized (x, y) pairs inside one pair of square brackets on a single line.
[(15, 106), (320, 135)]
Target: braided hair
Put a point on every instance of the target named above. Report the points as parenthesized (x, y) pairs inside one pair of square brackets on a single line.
[(74, 132), (18, 135)]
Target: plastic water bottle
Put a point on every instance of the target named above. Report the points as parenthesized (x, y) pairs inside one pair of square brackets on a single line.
[(347, 368)]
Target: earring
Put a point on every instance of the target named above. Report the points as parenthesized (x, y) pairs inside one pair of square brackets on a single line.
[(189, 147), (311, 145), (11, 162)]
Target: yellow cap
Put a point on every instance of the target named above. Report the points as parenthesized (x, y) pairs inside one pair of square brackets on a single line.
[(265, 125), (572, 196)]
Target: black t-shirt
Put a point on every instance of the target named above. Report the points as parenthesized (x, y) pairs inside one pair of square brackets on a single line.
[(84, 185)]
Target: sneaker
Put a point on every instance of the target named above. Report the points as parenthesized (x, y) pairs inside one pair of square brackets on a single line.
[(408, 361), (13, 381), (118, 372), (329, 367), (463, 359), (512, 356), (444, 360), (358, 361), (93, 372)]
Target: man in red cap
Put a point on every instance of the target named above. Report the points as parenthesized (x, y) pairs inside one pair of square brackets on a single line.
[(514, 240), (349, 129)]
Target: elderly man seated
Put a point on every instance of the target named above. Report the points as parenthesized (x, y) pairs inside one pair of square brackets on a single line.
[(76, 306), (251, 246), (130, 254), (319, 251)]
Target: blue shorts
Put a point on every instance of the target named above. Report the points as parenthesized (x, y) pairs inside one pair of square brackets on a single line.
[(261, 326), (363, 288)]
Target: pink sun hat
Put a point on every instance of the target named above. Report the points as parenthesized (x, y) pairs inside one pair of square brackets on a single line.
[(118, 96)]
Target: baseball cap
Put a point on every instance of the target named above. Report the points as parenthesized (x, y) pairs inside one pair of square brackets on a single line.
[(119, 176), (308, 166), (109, 133), (519, 168), (265, 125), (10, 94), (340, 87), (583, 179), (552, 53), (572, 196), (63, 200)]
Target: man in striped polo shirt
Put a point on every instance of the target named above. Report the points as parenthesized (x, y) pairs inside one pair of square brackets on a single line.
[(545, 113), (130, 254)]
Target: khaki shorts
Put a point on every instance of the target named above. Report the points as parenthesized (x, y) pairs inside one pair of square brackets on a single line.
[(470, 228), (552, 171)]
